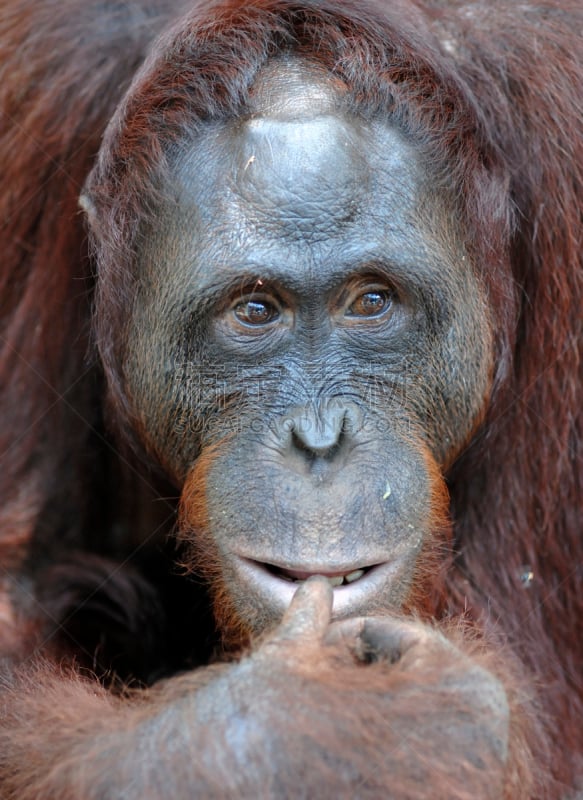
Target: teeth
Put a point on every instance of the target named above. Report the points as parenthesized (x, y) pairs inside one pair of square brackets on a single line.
[(337, 580)]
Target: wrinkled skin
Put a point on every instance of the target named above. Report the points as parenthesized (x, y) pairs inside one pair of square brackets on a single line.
[(308, 327)]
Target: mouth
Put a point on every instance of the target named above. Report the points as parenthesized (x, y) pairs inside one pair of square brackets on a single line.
[(358, 589), (335, 579)]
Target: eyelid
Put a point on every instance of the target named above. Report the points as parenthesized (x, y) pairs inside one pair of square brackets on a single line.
[(255, 297), (269, 298)]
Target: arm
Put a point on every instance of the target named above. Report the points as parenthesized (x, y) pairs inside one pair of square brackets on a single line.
[(341, 710)]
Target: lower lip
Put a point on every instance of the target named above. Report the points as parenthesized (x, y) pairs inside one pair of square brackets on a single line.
[(357, 598)]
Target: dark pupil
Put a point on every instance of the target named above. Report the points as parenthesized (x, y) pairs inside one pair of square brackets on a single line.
[(253, 312), (370, 303)]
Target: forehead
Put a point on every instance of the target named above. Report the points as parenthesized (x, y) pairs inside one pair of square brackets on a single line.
[(310, 180), (301, 176)]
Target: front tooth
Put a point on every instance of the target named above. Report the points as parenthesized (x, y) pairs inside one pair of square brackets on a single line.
[(337, 581), (354, 576)]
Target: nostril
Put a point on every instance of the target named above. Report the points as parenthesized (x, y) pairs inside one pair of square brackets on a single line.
[(316, 446)]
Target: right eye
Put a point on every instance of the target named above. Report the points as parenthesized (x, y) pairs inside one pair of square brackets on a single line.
[(256, 311)]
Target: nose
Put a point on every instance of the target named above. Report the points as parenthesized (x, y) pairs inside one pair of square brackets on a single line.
[(318, 430)]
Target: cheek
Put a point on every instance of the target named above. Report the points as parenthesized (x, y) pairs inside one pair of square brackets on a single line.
[(455, 383), (166, 395)]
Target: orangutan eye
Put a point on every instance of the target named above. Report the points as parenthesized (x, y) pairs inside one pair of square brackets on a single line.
[(372, 303), (256, 312)]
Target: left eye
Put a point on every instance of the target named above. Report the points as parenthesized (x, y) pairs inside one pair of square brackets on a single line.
[(256, 312), (370, 304)]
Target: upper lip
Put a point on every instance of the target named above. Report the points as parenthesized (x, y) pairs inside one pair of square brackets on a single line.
[(306, 569)]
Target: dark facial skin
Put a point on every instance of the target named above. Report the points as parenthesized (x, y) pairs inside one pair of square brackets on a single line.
[(311, 349)]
